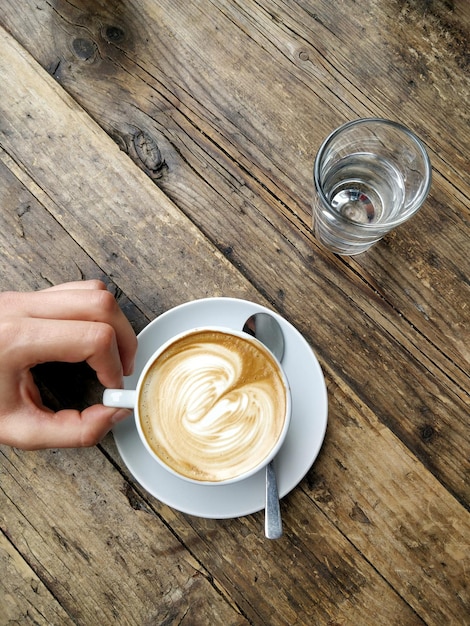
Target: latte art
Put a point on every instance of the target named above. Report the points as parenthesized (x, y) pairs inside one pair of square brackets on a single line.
[(213, 405)]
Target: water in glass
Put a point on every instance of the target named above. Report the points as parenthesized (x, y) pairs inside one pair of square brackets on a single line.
[(365, 188)]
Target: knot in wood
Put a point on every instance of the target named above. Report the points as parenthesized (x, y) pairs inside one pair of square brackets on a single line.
[(114, 34), (148, 151), (427, 432), (84, 49)]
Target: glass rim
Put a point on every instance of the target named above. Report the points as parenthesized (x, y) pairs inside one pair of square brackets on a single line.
[(414, 206)]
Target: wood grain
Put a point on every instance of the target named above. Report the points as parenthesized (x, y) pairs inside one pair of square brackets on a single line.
[(167, 148), (182, 128), (25, 599), (144, 565), (329, 311)]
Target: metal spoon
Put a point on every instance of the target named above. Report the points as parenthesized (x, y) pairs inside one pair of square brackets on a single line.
[(265, 328)]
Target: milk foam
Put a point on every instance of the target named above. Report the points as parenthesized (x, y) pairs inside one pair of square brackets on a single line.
[(213, 406)]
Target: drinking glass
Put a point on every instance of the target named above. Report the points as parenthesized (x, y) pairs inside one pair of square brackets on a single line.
[(371, 175)]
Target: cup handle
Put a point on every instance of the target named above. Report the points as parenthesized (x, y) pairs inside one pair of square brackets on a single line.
[(119, 398)]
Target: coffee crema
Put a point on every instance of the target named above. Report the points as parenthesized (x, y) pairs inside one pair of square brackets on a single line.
[(213, 405)]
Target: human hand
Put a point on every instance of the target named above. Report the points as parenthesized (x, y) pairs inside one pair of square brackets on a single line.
[(73, 322)]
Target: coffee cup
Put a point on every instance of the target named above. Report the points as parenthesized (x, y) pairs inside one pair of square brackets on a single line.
[(212, 405)]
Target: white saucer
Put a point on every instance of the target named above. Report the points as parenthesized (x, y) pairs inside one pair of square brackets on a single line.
[(303, 441)]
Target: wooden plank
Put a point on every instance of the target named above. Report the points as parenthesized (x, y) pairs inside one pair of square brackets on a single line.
[(171, 111), (382, 500), (124, 200), (21, 235), (24, 599), (396, 501), (357, 603), (329, 303), (31, 238), (36, 253), (391, 61), (100, 551), (105, 547), (415, 253), (61, 589)]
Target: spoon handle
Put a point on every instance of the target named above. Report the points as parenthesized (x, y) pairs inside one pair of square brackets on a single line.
[(273, 520)]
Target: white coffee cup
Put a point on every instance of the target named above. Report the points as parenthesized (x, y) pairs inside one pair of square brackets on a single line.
[(212, 405)]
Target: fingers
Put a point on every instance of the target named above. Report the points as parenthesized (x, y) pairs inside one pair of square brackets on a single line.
[(73, 322), (35, 341), (95, 306), (65, 429), (88, 301), (78, 284)]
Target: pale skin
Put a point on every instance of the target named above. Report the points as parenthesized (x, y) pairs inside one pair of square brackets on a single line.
[(73, 322)]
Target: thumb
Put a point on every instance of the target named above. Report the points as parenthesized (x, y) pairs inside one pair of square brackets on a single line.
[(65, 429)]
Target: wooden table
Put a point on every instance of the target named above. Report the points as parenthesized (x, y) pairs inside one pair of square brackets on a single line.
[(167, 148)]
